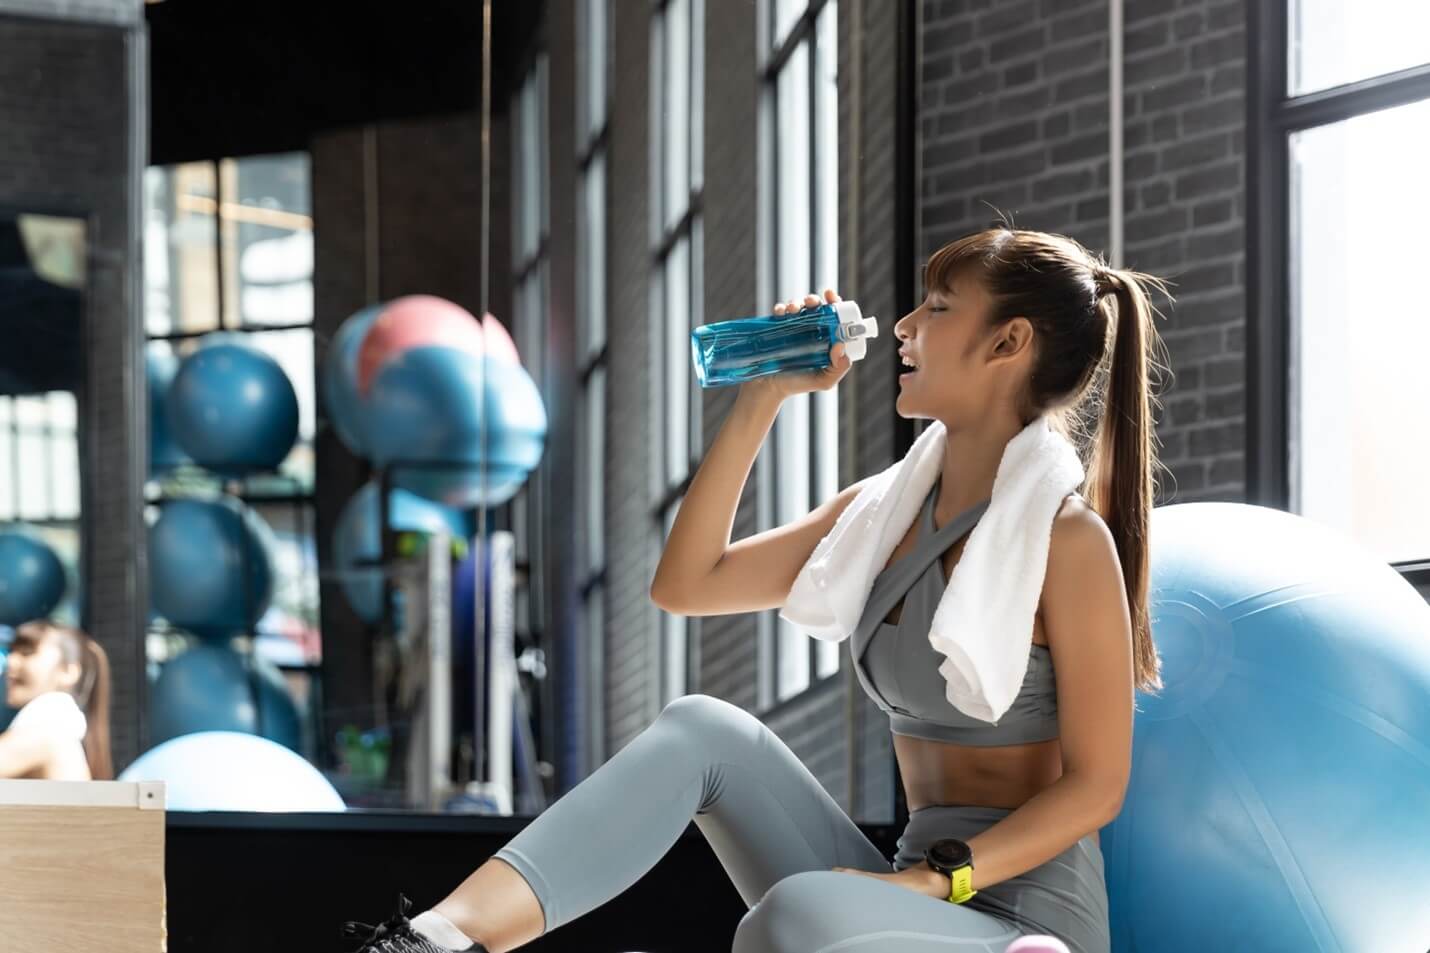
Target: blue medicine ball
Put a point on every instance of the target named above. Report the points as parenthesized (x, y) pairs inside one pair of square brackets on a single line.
[(357, 540), (340, 391), (1280, 780), (32, 579), (164, 452), (233, 409), (425, 406), (228, 771), (210, 687), (210, 568)]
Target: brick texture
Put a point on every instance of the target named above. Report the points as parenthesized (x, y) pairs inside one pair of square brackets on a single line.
[(67, 147)]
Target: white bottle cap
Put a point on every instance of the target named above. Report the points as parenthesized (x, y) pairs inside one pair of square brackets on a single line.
[(855, 329)]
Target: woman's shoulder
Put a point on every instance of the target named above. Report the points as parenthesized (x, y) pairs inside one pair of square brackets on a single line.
[(55, 712)]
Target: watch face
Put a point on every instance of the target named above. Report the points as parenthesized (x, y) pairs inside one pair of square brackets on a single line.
[(950, 853)]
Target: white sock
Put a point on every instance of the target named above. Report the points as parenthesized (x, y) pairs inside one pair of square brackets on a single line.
[(440, 931)]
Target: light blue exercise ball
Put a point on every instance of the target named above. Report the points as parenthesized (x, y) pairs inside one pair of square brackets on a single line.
[(164, 452), (210, 565), (210, 687), (232, 408), (357, 539), (32, 578), (1280, 791), (340, 381), (427, 405), (230, 771)]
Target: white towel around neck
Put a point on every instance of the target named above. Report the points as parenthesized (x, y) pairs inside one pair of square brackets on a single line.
[(984, 622)]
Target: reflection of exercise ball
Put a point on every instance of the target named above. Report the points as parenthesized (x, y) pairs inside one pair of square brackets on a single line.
[(164, 453), (340, 393), (1280, 779), (357, 540), (207, 688), (233, 409), (424, 406), (209, 565), (227, 771), (416, 321), (32, 580)]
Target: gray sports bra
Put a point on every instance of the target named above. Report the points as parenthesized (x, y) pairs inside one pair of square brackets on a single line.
[(899, 668)]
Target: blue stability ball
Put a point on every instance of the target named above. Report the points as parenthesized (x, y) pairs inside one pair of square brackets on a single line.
[(227, 771), (32, 579), (340, 367), (357, 540), (210, 567), (207, 688), (424, 406), (1280, 780), (164, 453), (233, 409)]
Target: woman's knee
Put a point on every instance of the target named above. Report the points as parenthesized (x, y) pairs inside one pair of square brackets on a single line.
[(793, 915), (701, 712)]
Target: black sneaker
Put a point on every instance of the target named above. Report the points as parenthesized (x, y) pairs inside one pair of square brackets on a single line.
[(397, 935)]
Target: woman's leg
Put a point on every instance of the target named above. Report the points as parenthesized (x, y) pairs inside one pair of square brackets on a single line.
[(832, 912), (765, 815)]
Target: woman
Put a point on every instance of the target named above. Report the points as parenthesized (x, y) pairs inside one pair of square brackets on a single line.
[(58, 678), (1015, 324)]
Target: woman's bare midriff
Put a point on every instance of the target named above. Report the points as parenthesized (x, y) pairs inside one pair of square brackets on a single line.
[(936, 772)]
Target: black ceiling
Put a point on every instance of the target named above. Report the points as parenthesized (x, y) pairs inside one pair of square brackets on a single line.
[(243, 77)]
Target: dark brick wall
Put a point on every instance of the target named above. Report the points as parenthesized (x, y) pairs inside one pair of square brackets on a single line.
[(632, 685), (1185, 141), (68, 145), (1014, 113), (426, 214)]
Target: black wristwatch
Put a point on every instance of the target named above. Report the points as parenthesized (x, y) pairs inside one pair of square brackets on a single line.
[(954, 859)]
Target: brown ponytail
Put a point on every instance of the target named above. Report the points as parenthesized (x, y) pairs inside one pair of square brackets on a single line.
[(1120, 477), (91, 693), (1093, 326)]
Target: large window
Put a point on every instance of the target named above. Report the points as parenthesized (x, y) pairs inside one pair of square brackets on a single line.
[(592, 114), (229, 248), (799, 134), (677, 293), (530, 216), (1342, 102)]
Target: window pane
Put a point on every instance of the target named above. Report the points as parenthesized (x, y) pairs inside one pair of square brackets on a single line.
[(793, 221), (1359, 196), (270, 218), (529, 197), (695, 317), (1335, 42), (675, 322), (793, 661), (674, 631), (593, 258), (826, 266), (697, 94), (181, 234), (595, 470), (787, 14), (675, 123), (594, 23)]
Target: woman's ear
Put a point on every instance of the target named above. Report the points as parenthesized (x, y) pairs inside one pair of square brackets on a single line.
[(69, 675), (1014, 337)]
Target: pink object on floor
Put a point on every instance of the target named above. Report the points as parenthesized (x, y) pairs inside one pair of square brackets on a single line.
[(1037, 944)]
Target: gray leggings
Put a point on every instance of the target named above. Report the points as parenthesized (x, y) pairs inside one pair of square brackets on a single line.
[(777, 832)]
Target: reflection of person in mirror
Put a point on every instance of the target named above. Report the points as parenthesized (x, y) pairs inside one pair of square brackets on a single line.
[(58, 678)]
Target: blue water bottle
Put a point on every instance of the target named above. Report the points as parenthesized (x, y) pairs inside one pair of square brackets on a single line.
[(741, 349)]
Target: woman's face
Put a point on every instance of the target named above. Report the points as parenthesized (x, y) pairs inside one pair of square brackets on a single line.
[(944, 336), (35, 666)]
